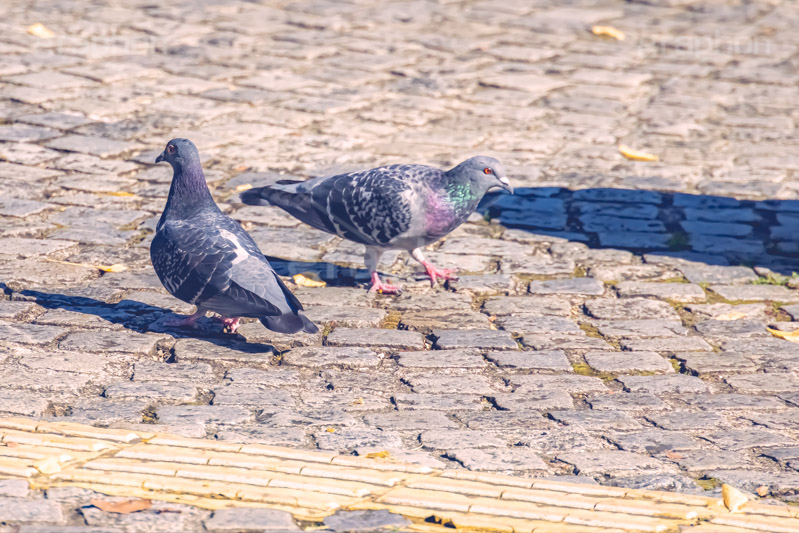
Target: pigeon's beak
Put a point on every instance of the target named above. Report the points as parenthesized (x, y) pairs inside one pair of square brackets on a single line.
[(506, 184), (160, 157)]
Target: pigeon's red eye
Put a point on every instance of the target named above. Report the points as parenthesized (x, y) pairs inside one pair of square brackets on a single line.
[(170, 149), (487, 171)]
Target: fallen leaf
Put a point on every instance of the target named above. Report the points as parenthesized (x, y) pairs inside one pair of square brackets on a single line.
[(331, 430), (608, 31), (40, 30), (732, 315), (378, 455), (123, 507), (48, 466), (359, 401), (762, 491), (674, 455), (118, 267), (636, 155), (241, 168), (113, 268), (792, 336), (119, 193), (244, 187), (308, 279), (733, 498)]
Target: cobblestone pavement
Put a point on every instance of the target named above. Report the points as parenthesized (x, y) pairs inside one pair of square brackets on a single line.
[(611, 322)]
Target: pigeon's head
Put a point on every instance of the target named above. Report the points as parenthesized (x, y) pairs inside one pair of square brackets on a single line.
[(180, 153), (484, 172)]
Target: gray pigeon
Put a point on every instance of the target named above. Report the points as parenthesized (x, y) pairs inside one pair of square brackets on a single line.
[(401, 207), (205, 258)]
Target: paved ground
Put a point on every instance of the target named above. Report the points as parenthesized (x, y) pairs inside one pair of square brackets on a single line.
[(612, 321)]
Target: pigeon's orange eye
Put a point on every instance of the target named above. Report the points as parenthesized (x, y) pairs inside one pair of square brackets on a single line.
[(170, 149), (487, 171)]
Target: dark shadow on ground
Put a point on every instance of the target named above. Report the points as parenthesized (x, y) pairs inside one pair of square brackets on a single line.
[(332, 274), (715, 230), (139, 317)]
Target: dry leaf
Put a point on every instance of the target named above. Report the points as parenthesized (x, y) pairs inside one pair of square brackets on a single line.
[(674, 455), (792, 336), (241, 168), (359, 401), (733, 498), (608, 31), (118, 267), (732, 315), (123, 507), (762, 491), (119, 193), (636, 155), (113, 268), (244, 187), (331, 430), (309, 279), (40, 30), (48, 466), (378, 455)]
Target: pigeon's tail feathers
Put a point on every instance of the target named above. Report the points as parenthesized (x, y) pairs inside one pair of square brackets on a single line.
[(297, 203), (289, 323)]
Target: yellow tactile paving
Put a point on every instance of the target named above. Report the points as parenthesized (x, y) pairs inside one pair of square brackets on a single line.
[(312, 485)]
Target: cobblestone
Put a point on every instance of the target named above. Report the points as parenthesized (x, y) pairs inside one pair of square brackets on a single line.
[(609, 303)]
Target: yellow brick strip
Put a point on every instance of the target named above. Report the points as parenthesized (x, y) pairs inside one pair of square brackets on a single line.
[(313, 484)]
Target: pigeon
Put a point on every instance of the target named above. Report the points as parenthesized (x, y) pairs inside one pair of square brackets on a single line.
[(401, 207), (205, 258)]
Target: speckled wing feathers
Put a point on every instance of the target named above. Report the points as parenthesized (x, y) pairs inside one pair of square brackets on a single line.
[(203, 267), (372, 207)]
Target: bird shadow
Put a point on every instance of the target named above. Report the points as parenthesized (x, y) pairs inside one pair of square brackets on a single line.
[(715, 230), (139, 317)]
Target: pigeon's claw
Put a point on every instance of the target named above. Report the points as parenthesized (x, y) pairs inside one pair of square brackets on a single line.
[(231, 324), (444, 273), (383, 288)]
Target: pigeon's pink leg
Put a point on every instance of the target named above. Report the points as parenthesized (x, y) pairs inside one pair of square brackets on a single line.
[(444, 273), (382, 288), (433, 272), (372, 258), (189, 321), (232, 324)]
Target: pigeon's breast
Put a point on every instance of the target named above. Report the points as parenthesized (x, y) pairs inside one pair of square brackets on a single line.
[(440, 216)]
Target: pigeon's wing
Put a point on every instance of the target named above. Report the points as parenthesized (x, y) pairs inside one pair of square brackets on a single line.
[(214, 270), (371, 207)]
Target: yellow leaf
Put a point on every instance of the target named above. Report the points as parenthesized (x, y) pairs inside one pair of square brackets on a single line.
[(378, 455), (112, 268), (608, 31), (331, 430), (762, 491), (309, 279), (733, 498), (119, 193), (359, 401), (792, 336), (244, 187), (732, 315), (48, 466), (636, 155), (40, 30)]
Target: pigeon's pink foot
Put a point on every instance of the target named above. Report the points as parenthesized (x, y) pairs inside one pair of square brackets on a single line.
[(189, 321), (231, 324), (382, 288), (434, 273)]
